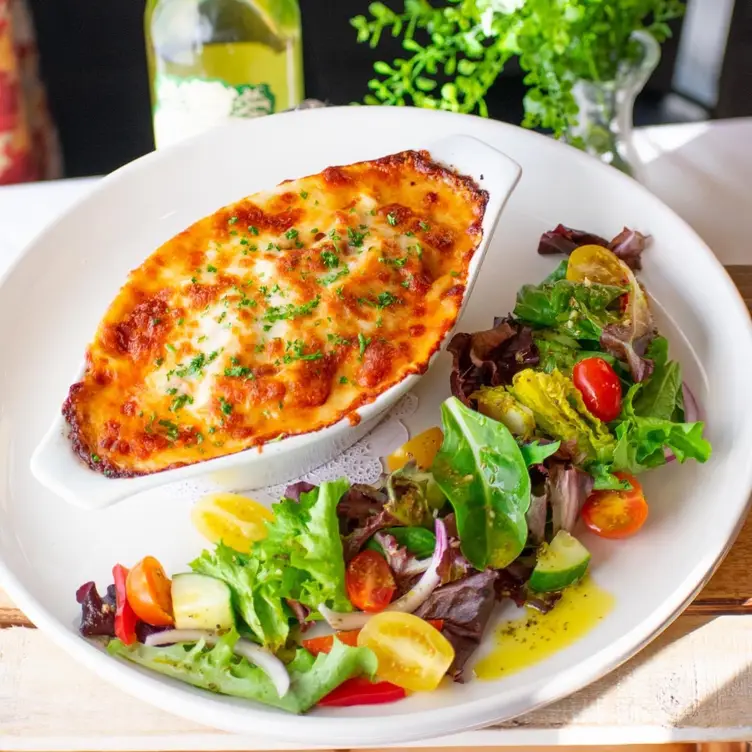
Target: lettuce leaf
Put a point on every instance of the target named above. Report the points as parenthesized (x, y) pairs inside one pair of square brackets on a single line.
[(482, 472), (574, 308), (560, 413), (301, 559), (219, 670), (641, 440)]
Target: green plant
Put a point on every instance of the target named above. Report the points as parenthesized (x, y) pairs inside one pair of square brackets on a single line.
[(458, 50)]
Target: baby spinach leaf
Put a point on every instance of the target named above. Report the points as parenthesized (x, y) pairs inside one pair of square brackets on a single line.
[(482, 472)]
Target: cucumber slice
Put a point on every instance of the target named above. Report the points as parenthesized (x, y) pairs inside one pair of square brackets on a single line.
[(561, 563), (201, 602)]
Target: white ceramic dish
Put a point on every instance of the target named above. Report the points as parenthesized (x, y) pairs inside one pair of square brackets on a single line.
[(56, 466), (51, 298)]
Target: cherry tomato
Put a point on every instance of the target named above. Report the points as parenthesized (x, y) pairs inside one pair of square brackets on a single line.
[(421, 448), (235, 520), (323, 644), (148, 591), (411, 653), (596, 264), (616, 514), (360, 691), (369, 581), (600, 387), (125, 617)]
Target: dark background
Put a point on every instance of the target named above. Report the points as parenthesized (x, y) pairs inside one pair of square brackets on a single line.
[(93, 62)]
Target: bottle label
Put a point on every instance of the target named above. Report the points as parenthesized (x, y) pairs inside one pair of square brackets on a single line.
[(188, 106)]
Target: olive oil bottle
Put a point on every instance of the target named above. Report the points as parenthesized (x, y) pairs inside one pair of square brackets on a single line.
[(212, 60)]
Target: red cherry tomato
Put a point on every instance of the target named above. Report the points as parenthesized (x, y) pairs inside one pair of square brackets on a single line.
[(125, 617), (616, 514), (600, 387), (369, 581), (360, 691)]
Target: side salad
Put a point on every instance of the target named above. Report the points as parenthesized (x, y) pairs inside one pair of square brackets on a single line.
[(356, 594)]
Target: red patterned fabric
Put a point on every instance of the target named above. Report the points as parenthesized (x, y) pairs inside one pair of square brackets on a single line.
[(29, 148)]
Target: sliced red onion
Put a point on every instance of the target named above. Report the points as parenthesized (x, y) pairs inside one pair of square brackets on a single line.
[(408, 602), (266, 661), (416, 566), (691, 409)]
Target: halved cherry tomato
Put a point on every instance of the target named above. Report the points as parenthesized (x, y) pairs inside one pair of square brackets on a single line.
[(596, 264), (148, 591), (421, 449), (369, 581), (360, 691), (125, 617), (323, 644), (235, 520), (600, 387), (411, 653), (616, 514)]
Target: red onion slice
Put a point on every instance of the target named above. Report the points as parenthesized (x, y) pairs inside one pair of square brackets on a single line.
[(691, 408), (258, 656), (408, 602)]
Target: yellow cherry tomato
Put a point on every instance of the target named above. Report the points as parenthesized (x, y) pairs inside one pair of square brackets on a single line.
[(421, 448), (412, 654), (596, 264), (235, 520)]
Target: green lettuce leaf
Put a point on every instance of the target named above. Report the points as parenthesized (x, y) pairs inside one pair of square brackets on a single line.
[(301, 559), (641, 440), (482, 472), (561, 351), (661, 395), (417, 540), (575, 308), (560, 413), (413, 496), (219, 670), (534, 453)]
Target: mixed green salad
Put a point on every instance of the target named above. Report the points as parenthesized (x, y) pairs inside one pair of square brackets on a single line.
[(345, 594)]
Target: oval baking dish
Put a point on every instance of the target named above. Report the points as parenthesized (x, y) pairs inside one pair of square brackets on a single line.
[(70, 464)]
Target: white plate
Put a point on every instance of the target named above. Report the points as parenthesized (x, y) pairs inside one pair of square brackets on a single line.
[(50, 299)]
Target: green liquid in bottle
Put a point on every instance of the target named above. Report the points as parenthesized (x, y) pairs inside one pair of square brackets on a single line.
[(212, 60)]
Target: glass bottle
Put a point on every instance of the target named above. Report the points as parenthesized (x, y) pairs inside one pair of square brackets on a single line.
[(212, 60)]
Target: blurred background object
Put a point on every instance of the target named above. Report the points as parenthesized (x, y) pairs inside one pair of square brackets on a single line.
[(28, 144), (210, 60), (94, 65)]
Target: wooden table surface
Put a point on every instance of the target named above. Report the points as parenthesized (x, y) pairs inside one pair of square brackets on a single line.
[(693, 683)]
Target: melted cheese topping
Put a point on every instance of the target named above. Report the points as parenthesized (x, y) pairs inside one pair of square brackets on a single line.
[(277, 315)]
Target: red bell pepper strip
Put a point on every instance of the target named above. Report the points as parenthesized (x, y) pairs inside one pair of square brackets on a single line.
[(125, 617), (360, 691)]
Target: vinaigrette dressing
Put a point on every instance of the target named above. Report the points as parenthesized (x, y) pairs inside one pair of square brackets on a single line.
[(534, 637)]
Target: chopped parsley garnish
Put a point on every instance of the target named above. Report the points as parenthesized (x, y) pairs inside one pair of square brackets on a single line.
[(171, 429), (253, 230), (337, 340), (406, 283), (363, 342), (154, 322), (181, 401), (304, 195), (424, 226), (380, 321), (267, 327), (181, 321), (392, 219), (259, 348), (241, 372), (290, 311), (158, 362), (197, 364), (222, 317), (343, 380), (355, 238), (291, 234), (211, 268), (295, 350), (170, 347), (386, 299), (329, 259), (454, 274), (225, 406), (172, 390), (398, 262), (194, 280), (95, 458), (314, 231), (327, 279), (232, 220), (334, 235)]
